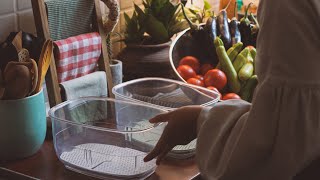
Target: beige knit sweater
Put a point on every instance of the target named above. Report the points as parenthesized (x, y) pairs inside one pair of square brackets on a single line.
[(279, 133)]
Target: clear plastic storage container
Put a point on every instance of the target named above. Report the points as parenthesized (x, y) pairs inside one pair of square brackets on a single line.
[(105, 138), (164, 93)]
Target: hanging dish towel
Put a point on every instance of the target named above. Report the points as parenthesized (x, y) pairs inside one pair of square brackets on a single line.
[(93, 84), (77, 56)]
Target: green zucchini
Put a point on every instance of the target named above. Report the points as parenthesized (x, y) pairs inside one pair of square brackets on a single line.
[(227, 67), (248, 89), (246, 71), (241, 59)]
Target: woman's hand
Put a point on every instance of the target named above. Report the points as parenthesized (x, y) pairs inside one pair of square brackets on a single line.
[(180, 130)]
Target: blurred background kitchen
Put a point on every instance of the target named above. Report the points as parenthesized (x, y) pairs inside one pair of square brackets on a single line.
[(16, 15)]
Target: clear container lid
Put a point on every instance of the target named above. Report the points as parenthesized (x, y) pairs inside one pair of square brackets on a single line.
[(106, 114), (164, 93)]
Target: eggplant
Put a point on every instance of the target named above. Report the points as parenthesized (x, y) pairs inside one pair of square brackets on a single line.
[(245, 28), (254, 30), (211, 31), (234, 32), (211, 27), (200, 39), (223, 28), (234, 29)]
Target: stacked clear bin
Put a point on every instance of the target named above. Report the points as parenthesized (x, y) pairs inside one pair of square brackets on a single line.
[(168, 95), (96, 137), (108, 138)]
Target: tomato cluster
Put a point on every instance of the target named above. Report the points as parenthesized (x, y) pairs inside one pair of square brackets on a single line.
[(205, 75)]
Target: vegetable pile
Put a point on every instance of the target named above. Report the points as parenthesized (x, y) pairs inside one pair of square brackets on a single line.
[(230, 44)]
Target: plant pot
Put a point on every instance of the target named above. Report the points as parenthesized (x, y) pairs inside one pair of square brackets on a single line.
[(116, 71), (146, 61)]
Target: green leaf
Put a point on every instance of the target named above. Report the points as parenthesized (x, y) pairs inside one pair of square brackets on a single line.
[(177, 12), (207, 5), (178, 27), (193, 10), (133, 31), (141, 20), (141, 16), (209, 14), (166, 13), (156, 30), (126, 17), (156, 6), (130, 25)]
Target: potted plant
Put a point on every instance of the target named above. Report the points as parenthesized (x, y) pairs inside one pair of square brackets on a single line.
[(148, 37)]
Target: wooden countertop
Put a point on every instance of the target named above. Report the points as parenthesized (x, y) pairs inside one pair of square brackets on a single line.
[(45, 165)]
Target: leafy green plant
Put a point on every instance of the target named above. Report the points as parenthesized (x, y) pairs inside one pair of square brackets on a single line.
[(159, 20), (204, 13), (155, 23)]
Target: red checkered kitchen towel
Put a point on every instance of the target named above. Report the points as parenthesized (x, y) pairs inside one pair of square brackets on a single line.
[(77, 56)]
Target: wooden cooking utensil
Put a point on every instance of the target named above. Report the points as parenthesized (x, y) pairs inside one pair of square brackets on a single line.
[(44, 63), (24, 55), (34, 72), (17, 41), (18, 80)]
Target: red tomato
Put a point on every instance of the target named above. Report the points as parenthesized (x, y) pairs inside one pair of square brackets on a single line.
[(204, 68), (200, 77), (186, 72), (195, 81), (230, 96), (191, 61), (216, 78), (250, 47), (215, 89)]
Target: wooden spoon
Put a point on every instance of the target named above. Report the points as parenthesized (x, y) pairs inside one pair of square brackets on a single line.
[(18, 80), (17, 41), (32, 76), (35, 73), (44, 63)]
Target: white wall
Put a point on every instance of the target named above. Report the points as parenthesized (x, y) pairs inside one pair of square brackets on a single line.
[(215, 5), (15, 15)]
